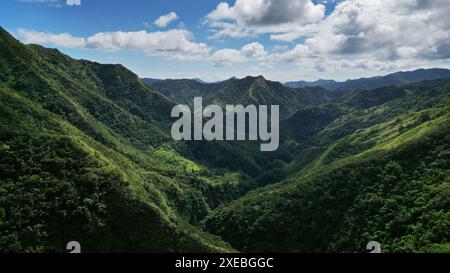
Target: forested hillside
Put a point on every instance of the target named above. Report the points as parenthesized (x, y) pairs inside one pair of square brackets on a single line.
[(249, 90), (374, 166), (86, 154)]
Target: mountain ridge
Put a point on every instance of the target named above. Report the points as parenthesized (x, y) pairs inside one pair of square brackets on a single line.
[(248, 90), (86, 154), (397, 78), (95, 137)]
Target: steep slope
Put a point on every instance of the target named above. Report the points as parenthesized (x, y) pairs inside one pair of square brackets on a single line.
[(86, 155), (397, 78), (263, 92), (379, 171), (399, 198)]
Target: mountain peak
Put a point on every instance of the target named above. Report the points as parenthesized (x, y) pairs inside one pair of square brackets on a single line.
[(260, 81), (260, 77)]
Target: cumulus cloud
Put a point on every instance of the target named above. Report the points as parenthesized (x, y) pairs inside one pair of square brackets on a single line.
[(358, 37), (63, 39), (176, 43), (373, 35), (357, 34), (165, 20), (262, 16), (253, 50), (172, 42), (269, 12), (228, 56)]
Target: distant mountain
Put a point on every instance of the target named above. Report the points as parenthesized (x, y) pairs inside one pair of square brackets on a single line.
[(398, 78), (183, 90), (150, 81), (249, 90), (199, 80), (259, 91), (328, 84)]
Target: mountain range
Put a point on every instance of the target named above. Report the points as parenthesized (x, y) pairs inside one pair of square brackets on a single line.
[(249, 90), (398, 78), (86, 155)]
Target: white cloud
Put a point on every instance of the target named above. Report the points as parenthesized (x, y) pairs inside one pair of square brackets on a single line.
[(222, 11), (176, 43), (262, 16), (269, 12), (73, 2), (165, 20), (54, 3), (228, 56), (63, 39), (253, 50), (167, 43), (50, 3), (358, 38), (376, 35)]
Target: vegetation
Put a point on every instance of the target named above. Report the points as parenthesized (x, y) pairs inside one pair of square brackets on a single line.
[(86, 155), (399, 198), (250, 90), (379, 171)]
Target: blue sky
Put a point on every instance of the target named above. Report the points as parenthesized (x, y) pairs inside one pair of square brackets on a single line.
[(215, 39)]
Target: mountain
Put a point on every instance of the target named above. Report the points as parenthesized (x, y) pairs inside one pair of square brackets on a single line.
[(362, 156), (249, 90), (365, 170), (328, 84), (85, 153), (397, 78), (182, 91), (200, 80), (150, 81)]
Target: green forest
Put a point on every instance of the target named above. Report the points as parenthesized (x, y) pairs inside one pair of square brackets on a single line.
[(86, 154)]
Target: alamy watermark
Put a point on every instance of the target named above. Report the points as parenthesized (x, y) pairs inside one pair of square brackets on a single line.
[(374, 247), (73, 247), (237, 123)]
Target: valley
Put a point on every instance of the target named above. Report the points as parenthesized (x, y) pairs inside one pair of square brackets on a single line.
[(86, 153)]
